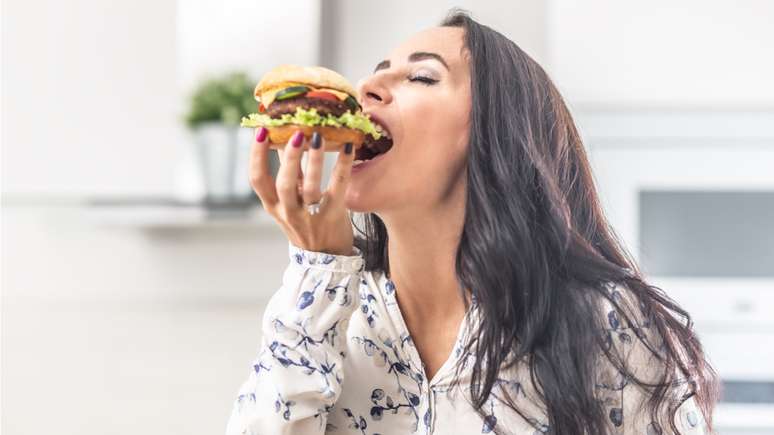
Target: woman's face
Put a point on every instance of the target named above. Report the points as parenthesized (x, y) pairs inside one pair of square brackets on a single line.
[(421, 94)]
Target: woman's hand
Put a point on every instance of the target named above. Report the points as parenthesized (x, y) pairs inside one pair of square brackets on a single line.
[(327, 231)]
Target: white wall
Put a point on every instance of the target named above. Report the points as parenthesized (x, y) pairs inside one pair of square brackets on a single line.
[(93, 92), (689, 53), (363, 33), (218, 36), (89, 93)]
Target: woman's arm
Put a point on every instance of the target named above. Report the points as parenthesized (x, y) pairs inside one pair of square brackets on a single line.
[(625, 402), (296, 377)]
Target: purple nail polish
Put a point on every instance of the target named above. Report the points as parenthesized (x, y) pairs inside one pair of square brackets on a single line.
[(298, 137), (261, 136)]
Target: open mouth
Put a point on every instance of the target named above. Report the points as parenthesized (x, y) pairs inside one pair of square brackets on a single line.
[(374, 147)]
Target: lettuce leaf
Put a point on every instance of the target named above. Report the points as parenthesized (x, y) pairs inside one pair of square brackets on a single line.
[(310, 117)]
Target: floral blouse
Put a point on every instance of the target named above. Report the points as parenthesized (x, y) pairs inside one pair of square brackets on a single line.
[(336, 358)]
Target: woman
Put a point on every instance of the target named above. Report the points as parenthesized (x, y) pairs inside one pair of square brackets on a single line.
[(487, 294)]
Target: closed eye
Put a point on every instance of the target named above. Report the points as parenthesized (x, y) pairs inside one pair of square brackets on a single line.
[(425, 80)]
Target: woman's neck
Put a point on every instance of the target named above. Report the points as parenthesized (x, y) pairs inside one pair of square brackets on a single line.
[(422, 248)]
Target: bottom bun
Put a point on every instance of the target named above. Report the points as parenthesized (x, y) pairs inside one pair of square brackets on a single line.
[(334, 138)]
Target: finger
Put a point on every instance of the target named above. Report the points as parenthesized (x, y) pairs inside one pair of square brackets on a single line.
[(337, 185), (313, 172), (288, 175), (259, 172), (281, 156)]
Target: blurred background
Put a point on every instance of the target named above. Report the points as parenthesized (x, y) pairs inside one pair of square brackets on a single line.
[(136, 261)]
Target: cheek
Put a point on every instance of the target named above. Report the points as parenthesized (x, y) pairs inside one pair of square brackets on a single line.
[(434, 147), (436, 130)]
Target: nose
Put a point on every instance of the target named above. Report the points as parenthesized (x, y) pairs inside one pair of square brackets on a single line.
[(373, 92)]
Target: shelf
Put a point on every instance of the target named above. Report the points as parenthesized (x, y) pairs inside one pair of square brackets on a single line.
[(174, 213)]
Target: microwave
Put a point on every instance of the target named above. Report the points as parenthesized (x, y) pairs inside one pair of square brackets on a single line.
[(691, 195)]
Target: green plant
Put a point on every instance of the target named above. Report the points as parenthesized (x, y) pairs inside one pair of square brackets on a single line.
[(225, 99)]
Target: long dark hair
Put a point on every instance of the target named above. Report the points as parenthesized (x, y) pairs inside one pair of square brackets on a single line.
[(538, 254)]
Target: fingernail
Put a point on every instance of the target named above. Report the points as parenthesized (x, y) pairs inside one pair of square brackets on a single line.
[(348, 147), (261, 136), (316, 140), (298, 137)]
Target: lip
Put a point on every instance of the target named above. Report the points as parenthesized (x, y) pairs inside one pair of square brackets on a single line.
[(367, 163), (376, 119)]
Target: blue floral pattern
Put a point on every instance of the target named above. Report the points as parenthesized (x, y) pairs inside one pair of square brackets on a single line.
[(336, 358)]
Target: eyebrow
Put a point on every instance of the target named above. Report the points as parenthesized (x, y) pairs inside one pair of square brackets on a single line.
[(414, 57)]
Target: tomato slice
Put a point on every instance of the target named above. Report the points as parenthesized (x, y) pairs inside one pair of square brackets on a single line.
[(261, 108), (322, 95)]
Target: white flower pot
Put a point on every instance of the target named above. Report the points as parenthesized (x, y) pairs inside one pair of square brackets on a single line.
[(223, 154)]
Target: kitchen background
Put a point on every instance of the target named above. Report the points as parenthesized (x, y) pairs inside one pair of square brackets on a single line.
[(136, 264)]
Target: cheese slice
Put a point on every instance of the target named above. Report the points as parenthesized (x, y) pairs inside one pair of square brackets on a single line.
[(342, 95), (268, 96)]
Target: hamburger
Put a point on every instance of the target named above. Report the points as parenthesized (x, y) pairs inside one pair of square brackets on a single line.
[(313, 98)]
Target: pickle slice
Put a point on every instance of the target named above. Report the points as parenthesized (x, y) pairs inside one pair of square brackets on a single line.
[(352, 103), (291, 92)]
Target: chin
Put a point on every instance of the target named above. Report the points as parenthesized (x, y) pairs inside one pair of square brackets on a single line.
[(358, 201), (353, 201)]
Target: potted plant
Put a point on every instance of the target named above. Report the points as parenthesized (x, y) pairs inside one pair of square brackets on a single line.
[(216, 108)]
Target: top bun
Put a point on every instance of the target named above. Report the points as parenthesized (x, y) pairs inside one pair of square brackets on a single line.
[(316, 76)]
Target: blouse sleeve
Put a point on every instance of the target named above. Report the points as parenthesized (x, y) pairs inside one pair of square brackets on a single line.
[(625, 402), (296, 377)]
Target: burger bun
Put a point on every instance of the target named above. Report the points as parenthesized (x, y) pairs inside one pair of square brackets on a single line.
[(334, 138)]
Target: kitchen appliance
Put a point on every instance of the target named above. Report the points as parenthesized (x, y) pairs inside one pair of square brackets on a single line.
[(691, 193)]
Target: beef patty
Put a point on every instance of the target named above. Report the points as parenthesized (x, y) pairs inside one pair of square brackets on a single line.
[(324, 107)]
